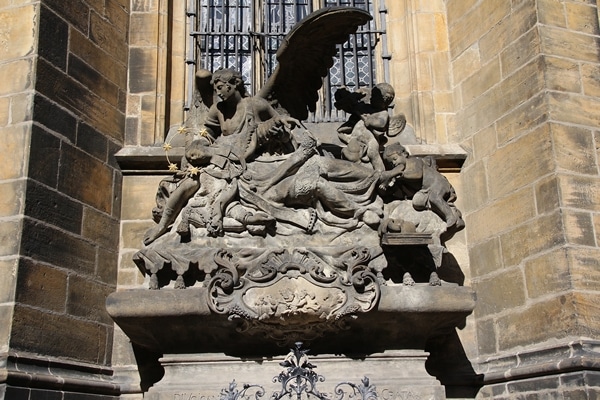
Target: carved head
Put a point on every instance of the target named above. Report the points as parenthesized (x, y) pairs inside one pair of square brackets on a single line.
[(226, 81), (395, 154), (382, 95)]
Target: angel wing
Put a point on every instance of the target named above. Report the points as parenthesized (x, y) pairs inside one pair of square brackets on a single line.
[(305, 56)]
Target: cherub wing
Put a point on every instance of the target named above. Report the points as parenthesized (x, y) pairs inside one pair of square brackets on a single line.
[(305, 56)]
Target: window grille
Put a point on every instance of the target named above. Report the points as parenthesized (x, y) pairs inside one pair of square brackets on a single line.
[(245, 35)]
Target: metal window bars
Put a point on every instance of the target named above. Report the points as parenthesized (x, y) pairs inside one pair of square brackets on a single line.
[(245, 34)]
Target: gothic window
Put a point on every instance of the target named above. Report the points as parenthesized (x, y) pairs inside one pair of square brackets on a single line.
[(245, 35)]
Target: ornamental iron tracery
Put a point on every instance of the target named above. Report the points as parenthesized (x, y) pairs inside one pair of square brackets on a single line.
[(300, 380)]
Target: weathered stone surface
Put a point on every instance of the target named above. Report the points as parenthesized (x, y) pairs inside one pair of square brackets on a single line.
[(547, 274), (54, 38), (94, 81), (522, 18), (136, 202), (580, 192), (97, 58), (92, 142), (541, 233), (12, 197), (86, 299), (562, 75), (569, 44), (500, 216), (107, 265), (504, 290), (574, 109), (54, 117), (108, 38), (21, 73), (579, 228), (144, 29), (142, 70), (8, 272), (590, 79), (521, 162), (547, 195), (584, 266), (100, 228), (53, 208), (76, 13), (582, 18), (553, 317), (485, 257), (476, 177), (82, 175), (520, 52), (10, 236), (473, 87), (45, 243), (18, 32), (41, 286), (486, 336), (61, 336), (44, 155)]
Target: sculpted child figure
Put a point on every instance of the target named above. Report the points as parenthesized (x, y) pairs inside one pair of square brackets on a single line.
[(414, 178), (365, 131)]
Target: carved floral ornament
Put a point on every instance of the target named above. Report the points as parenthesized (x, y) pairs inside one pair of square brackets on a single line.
[(293, 294)]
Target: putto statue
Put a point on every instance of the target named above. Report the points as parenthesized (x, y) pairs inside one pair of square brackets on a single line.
[(256, 197)]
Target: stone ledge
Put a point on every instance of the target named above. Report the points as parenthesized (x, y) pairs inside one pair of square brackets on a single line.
[(577, 355), (179, 321), (35, 371)]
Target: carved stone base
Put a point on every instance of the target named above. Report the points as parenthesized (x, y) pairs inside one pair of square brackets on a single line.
[(397, 375)]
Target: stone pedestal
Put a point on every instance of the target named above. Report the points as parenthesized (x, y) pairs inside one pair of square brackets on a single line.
[(396, 375), (203, 352)]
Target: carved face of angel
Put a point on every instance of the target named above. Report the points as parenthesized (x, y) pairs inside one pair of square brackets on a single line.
[(396, 159), (224, 90)]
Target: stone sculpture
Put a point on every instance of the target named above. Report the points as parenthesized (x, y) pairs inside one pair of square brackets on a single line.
[(279, 231)]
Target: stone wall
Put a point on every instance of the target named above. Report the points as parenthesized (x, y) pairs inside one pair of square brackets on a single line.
[(526, 81), (63, 110)]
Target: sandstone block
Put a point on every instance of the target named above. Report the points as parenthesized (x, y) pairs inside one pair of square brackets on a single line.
[(15, 151), (521, 20), (139, 196), (82, 175), (92, 141), (19, 34), (94, 81), (514, 55), (21, 73), (486, 336), (86, 299), (569, 44), (562, 75), (108, 38), (117, 13), (475, 23), (97, 58), (553, 318), (21, 108), (504, 290), (584, 268), (466, 64), (476, 177), (551, 12), (54, 117), (578, 228), (12, 197), (41, 286), (500, 216), (9, 237), (142, 70), (547, 195), (547, 273), (521, 162), (527, 116), (484, 143), (77, 98), (53, 208), (132, 234), (8, 274), (100, 228), (485, 257), (582, 18), (574, 109), (580, 192), (54, 38), (61, 336), (106, 268), (44, 243), (76, 13), (487, 76), (542, 234), (590, 79)]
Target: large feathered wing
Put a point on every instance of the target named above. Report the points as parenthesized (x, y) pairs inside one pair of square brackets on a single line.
[(305, 56)]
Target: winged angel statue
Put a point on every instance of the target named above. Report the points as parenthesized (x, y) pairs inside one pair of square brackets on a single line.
[(254, 177)]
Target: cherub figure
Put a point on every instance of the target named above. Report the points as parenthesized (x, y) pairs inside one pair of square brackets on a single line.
[(418, 180), (365, 131)]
